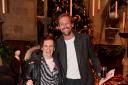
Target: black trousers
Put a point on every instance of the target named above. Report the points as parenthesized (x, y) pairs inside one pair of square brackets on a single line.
[(73, 82)]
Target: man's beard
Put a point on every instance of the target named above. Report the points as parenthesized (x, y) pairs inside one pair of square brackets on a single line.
[(66, 33)]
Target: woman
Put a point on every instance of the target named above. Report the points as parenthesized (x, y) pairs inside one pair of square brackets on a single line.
[(16, 66), (43, 67)]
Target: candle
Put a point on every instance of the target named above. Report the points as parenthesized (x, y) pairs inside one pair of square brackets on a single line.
[(66, 11), (70, 7), (3, 6), (98, 4), (123, 25), (93, 7), (116, 5)]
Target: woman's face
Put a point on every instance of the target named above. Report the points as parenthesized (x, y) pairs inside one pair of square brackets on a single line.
[(17, 53), (47, 48)]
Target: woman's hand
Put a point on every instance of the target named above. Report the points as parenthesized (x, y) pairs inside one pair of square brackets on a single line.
[(29, 82)]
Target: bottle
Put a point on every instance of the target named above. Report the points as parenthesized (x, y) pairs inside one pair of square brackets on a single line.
[(103, 72)]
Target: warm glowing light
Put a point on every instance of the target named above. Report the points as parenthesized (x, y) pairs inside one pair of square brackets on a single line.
[(93, 7), (3, 6), (70, 7), (116, 7), (124, 15), (98, 4)]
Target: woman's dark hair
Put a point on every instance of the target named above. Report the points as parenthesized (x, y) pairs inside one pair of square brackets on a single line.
[(47, 37)]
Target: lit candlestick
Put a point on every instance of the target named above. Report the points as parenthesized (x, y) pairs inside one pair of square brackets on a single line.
[(70, 7), (116, 6), (98, 4), (93, 7), (123, 23), (3, 6)]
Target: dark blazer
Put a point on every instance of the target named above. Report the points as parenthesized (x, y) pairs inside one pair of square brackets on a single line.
[(33, 68), (84, 52)]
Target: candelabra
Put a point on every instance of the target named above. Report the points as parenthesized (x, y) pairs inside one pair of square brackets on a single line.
[(125, 59)]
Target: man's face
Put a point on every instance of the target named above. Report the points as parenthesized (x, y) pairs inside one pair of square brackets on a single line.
[(65, 25)]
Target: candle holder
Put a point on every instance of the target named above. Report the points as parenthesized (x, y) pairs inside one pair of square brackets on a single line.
[(123, 35), (110, 33), (125, 63)]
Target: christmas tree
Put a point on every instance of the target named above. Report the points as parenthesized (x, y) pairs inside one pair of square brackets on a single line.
[(81, 19)]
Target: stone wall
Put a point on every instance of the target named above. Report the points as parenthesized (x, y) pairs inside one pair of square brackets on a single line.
[(99, 26), (20, 21)]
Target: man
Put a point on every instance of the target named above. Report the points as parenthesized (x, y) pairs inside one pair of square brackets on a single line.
[(74, 52)]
